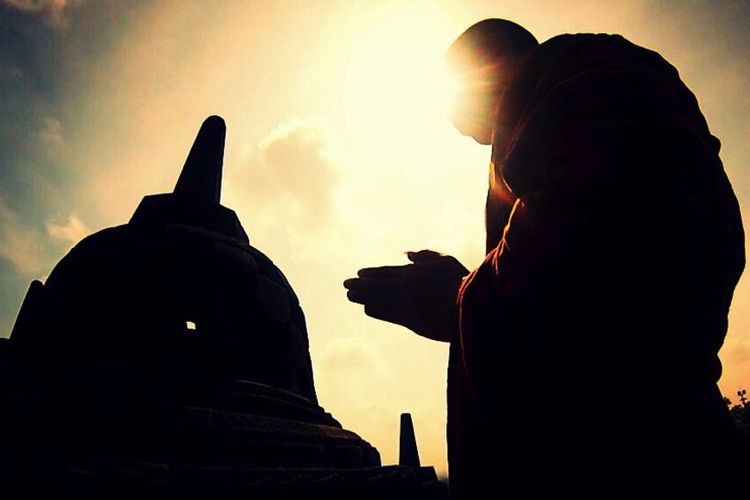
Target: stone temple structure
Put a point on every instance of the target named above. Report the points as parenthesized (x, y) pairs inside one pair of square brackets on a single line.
[(169, 358)]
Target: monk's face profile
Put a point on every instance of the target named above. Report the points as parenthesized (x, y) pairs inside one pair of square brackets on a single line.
[(473, 111), (484, 59), (478, 94)]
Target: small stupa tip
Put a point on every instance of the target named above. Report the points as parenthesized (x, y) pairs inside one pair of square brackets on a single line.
[(215, 122), (408, 454), (200, 180)]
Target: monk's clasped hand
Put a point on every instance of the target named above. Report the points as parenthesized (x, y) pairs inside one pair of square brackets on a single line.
[(420, 296)]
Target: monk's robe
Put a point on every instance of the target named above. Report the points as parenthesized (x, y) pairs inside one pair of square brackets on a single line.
[(587, 341)]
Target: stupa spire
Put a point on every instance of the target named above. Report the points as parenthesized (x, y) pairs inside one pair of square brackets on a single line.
[(200, 180)]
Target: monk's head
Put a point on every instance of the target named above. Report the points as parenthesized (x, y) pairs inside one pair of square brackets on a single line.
[(484, 59)]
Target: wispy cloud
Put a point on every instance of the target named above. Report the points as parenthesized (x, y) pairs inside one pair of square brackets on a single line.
[(352, 355), (70, 232), (52, 139), (56, 12), (290, 176), (20, 245), (351, 369)]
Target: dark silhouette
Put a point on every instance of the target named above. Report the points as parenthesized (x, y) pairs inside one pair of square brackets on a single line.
[(408, 453), (167, 357), (741, 415), (614, 243)]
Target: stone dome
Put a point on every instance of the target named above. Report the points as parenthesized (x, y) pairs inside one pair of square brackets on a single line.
[(168, 357), (179, 282)]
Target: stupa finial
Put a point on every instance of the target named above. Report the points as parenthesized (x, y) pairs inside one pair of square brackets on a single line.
[(200, 179)]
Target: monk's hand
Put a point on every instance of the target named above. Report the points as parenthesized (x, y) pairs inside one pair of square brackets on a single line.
[(420, 296)]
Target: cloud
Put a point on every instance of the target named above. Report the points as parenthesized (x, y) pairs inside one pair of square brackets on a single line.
[(352, 355), (73, 231), (56, 12), (351, 369), (290, 177), (52, 139), (349, 378), (20, 245), (740, 354)]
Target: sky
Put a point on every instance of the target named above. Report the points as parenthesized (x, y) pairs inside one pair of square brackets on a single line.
[(339, 153)]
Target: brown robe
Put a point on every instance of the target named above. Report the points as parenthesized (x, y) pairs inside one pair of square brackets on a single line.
[(586, 352)]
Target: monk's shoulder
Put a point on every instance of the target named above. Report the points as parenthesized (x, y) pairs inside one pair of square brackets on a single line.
[(573, 53)]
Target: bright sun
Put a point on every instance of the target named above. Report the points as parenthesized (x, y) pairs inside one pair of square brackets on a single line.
[(398, 86)]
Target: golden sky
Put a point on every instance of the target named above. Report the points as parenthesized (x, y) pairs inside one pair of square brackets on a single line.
[(339, 153)]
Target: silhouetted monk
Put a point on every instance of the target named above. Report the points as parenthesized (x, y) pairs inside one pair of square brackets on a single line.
[(614, 243)]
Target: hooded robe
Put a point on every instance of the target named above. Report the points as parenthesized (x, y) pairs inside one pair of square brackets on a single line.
[(587, 344)]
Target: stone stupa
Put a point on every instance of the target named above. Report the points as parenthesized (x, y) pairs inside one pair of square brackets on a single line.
[(167, 357)]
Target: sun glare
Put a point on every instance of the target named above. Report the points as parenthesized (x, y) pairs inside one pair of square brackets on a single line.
[(398, 85)]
